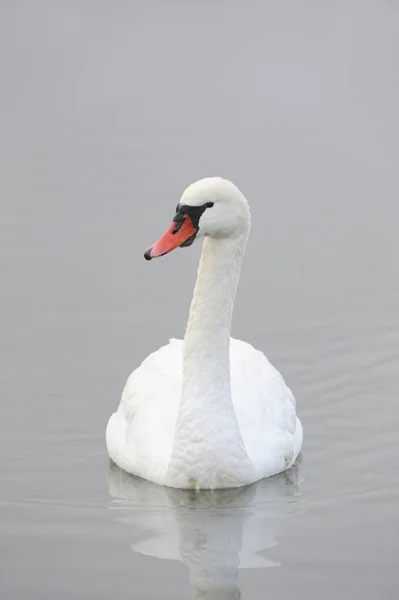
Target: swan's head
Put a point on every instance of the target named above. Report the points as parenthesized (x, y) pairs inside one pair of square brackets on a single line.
[(209, 207)]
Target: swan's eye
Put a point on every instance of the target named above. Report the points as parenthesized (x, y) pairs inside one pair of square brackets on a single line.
[(209, 204), (177, 208)]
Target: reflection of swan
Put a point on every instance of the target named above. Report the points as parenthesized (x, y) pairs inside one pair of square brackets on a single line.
[(212, 412), (212, 532)]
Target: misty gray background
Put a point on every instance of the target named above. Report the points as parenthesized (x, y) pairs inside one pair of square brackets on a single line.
[(108, 110)]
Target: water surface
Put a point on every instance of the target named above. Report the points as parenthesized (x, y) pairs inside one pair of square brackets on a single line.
[(108, 110)]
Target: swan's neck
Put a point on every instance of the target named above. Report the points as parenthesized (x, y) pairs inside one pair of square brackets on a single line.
[(206, 360), (208, 450)]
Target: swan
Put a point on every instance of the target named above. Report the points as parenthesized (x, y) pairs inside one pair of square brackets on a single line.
[(208, 412)]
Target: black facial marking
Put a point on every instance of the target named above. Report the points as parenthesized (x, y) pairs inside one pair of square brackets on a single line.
[(179, 220), (194, 213), (189, 241)]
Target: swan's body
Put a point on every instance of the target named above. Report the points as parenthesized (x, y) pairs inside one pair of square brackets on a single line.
[(209, 412)]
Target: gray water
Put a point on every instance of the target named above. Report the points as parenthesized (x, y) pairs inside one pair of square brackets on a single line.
[(108, 110)]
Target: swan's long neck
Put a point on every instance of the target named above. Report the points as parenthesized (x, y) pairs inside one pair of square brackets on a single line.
[(206, 360), (206, 422)]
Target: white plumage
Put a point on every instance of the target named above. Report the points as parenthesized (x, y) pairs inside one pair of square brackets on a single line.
[(209, 412)]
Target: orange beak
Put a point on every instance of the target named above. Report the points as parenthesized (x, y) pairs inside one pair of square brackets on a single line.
[(181, 233)]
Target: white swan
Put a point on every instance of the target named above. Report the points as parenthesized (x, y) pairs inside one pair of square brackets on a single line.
[(209, 412)]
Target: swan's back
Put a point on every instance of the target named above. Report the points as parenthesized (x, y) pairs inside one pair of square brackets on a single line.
[(140, 434), (265, 410)]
